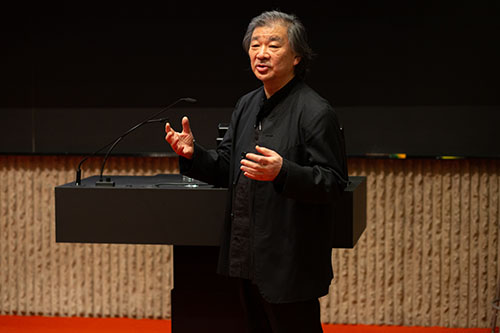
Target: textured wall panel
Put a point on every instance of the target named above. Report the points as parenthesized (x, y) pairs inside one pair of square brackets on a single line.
[(41, 277), (429, 255)]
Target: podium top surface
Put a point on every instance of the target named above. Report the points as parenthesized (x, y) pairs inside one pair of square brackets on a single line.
[(161, 209), (160, 181), (169, 209)]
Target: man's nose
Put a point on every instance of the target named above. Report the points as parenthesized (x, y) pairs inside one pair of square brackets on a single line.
[(262, 54)]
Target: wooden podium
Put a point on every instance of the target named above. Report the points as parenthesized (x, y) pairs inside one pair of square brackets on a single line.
[(144, 210)]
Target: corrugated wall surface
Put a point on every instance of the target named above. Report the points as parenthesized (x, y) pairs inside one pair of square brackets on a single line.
[(39, 276), (429, 255)]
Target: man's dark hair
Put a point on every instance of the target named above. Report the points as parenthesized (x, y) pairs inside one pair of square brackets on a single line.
[(296, 35)]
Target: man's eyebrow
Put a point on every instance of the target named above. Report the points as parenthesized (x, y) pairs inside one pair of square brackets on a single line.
[(271, 38)]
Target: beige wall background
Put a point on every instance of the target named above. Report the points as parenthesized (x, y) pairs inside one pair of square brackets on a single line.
[(429, 255)]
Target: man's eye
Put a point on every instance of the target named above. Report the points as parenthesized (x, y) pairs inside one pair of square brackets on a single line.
[(255, 45)]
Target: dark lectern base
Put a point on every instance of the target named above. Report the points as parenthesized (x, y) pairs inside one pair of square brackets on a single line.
[(202, 300)]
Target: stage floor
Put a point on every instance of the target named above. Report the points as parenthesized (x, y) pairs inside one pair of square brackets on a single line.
[(21, 324)]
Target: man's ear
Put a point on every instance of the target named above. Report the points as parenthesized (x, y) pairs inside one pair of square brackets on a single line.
[(296, 60)]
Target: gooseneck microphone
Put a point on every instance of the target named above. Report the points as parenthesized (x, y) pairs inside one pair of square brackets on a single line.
[(108, 182), (113, 143)]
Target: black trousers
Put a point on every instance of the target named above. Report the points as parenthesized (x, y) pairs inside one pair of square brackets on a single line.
[(264, 317)]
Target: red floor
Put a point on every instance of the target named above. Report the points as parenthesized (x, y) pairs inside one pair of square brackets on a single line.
[(18, 324)]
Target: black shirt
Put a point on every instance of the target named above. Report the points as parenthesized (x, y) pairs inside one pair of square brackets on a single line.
[(240, 250)]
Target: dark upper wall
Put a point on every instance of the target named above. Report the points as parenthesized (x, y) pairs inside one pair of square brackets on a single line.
[(392, 60)]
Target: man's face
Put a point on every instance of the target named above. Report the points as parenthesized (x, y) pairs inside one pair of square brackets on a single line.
[(271, 57)]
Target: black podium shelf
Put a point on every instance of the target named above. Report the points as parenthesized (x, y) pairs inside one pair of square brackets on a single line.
[(140, 210), (164, 209)]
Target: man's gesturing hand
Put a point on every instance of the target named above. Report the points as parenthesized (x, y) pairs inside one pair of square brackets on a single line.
[(181, 143), (263, 167)]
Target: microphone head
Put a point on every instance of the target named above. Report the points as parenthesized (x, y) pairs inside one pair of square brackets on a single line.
[(189, 100)]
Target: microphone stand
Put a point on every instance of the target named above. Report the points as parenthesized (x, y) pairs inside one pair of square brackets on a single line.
[(113, 143), (108, 182)]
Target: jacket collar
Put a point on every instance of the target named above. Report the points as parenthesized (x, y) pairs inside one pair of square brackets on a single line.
[(268, 104)]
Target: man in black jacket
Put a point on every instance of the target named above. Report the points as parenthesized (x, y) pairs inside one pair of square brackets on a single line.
[(283, 161)]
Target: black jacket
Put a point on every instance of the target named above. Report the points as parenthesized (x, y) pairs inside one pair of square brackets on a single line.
[(292, 216)]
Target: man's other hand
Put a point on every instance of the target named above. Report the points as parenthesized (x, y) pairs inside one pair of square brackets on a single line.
[(264, 167), (182, 143)]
